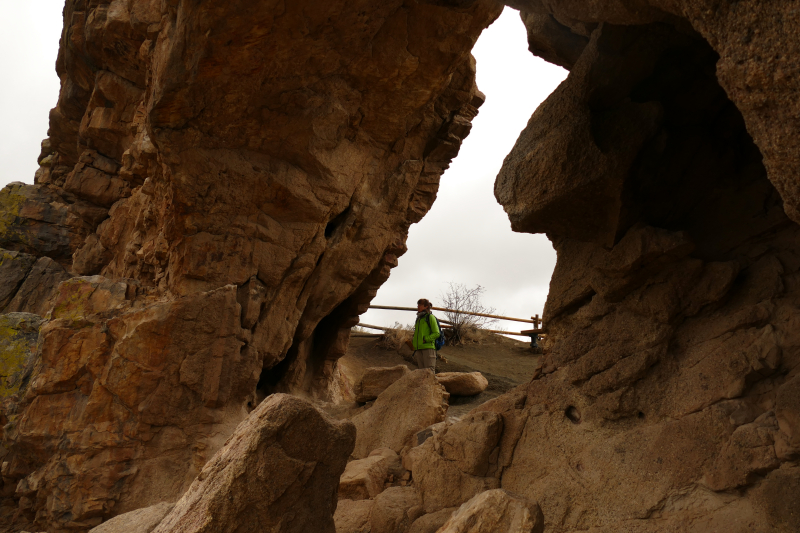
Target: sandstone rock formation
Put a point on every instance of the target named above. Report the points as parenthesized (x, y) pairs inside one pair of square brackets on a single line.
[(671, 328), (242, 178), (496, 510), (353, 516), (376, 380), (277, 472), (408, 406), (365, 478), (463, 383), (458, 462), (227, 185)]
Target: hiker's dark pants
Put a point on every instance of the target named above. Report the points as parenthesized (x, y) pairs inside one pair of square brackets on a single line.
[(425, 359)]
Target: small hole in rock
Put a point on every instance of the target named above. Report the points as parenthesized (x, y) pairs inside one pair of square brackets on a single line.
[(573, 414), (640, 414)]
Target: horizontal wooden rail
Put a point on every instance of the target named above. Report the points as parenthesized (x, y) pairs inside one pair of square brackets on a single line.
[(392, 308), (526, 333)]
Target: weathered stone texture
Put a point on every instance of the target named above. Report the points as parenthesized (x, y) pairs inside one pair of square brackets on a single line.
[(671, 321), (241, 178), (232, 182), (409, 405), (277, 472)]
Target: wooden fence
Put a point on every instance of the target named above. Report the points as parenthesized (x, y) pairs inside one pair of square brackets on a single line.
[(531, 333)]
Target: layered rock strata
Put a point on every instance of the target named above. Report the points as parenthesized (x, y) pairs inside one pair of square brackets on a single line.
[(660, 170)]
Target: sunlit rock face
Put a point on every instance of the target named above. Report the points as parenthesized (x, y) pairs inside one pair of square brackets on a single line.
[(229, 183), (665, 174)]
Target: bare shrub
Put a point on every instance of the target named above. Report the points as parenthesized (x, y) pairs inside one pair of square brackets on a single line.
[(459, 297), (395, 337)]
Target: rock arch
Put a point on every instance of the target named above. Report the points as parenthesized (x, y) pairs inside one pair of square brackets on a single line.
[(232, 201)]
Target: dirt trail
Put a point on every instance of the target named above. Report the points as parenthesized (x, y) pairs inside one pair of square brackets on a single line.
[(506, 363)]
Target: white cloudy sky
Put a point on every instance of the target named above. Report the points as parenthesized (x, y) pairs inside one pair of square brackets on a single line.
[(466, 238)]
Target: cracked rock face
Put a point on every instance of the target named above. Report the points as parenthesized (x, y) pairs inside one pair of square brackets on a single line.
[(225, 187), (672, 342), (230, 184)]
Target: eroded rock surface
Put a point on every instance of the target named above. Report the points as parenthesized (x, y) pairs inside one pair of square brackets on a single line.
[(232, 183), (408, 406), (376, 380), (496, 510), (277, 472), (242, 179), (671, 319)]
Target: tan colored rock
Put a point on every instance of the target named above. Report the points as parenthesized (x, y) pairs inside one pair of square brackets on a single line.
[(409, 405), (496, 510), (365, 478), (376, 380), (430, 523), (139, 521), (457, 462), (463, 383), (353, 516), (280, 469), (470, 442), (395, 510)]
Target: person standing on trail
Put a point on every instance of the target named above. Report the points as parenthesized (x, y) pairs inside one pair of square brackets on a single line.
[(426, 331)]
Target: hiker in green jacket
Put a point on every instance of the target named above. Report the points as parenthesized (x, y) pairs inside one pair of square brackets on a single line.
[(426, 331)]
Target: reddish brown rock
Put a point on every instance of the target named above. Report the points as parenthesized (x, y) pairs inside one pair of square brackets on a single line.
[(243, 186), (243, 183), (458, 461)]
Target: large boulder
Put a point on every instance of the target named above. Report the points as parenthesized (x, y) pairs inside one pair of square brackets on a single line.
[(463, 383), (494, 511), (409, 405), (376, 380), (277, 472)]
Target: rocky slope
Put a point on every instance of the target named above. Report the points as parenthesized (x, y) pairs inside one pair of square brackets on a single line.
[(228, 185)]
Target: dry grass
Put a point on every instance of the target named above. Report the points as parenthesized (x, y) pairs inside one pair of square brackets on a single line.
[(396, 337), (474, 335)]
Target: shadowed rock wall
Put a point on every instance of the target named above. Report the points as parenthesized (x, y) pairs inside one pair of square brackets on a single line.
[(230, 183), (660, 170)]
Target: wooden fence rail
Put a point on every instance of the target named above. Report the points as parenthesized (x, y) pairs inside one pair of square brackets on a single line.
[(533, 320)]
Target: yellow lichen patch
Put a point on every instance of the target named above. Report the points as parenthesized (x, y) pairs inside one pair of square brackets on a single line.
[(11, 203), (18, 337)]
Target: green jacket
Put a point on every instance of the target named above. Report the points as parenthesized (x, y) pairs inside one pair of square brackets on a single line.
[(424, 335)]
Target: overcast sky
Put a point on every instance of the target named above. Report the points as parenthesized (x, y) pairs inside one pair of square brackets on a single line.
[(466, 238)]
